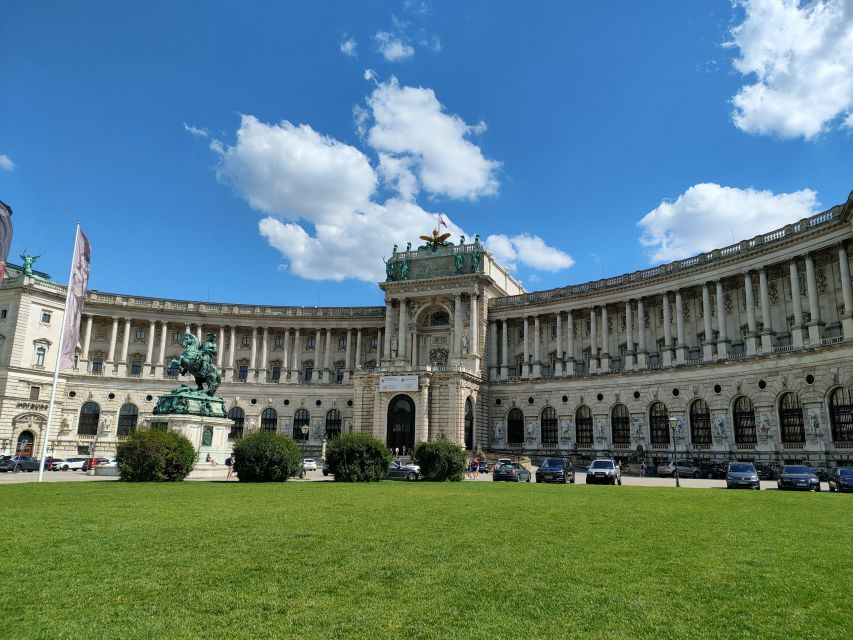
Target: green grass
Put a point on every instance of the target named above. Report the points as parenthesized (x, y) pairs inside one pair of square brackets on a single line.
[(464, 560)]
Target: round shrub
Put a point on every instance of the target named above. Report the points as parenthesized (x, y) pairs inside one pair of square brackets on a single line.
[(357, 457), (266, 457), (440, 460), (155, 455)]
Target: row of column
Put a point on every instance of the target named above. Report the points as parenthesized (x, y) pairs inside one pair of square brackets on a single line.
[(675, 353)]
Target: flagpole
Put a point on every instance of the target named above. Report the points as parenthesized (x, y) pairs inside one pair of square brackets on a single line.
[(58, 358)]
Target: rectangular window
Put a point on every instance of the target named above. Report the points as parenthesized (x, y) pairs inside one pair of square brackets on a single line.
[(97, 365), (45, 317), (3, 313), (136, 368), (245, 341), (279, 341), (177, 337), (140, 334), (173, 371), (554, 331), (373, 342), (339, 375), (307, 374), (243, 373), (310, 343), (34, 392), (342, 343), (40, 351), (82, 450), (276, 374)]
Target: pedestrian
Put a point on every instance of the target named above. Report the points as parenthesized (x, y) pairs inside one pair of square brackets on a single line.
[(476, 468), (642, 469), (210, 460), (229, 462), (397, 452)]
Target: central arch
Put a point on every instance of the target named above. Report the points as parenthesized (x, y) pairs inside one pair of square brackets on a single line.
[(401, 423)]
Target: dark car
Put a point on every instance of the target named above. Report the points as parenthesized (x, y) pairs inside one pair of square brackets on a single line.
[(713, 469), (483, 467), (403, 472), (555, 470), (514, 472), (767, 472), (89, 464), (742, 475), (19, 463), (841, 479), (798, 477)]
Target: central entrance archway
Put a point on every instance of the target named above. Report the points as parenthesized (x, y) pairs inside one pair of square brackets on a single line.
[(401, 423)]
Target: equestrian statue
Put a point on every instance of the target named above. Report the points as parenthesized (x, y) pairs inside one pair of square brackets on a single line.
[(198, 361)]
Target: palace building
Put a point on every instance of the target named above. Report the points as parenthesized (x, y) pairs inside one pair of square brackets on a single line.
[(744, 352)]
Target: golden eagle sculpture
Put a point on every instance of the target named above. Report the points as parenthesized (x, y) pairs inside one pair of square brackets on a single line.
[(435, 241)]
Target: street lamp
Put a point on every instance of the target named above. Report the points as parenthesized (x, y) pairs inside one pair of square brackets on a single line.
[(675, 427), (304, 430)]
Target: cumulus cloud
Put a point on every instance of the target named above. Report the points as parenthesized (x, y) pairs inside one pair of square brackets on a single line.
[(6, 163), (392, 47), (195, 131), (800, 56), (348, 47), (706, 216), (529, 250)]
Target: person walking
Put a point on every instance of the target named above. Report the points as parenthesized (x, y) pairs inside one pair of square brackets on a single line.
[(229, 462), (476, 468), (467, 469)]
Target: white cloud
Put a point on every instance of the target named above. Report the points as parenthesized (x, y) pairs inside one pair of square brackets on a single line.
[(6, 163), (529, 250), (706, 216), (411, 121), (396, 171), (195, 131), (348, 47), (801, 58), (392, 47)]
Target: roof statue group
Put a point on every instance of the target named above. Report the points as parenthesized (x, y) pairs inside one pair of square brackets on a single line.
[(433, 243)]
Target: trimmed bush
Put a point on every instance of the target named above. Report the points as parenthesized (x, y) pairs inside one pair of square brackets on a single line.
[(266, 457), (440, 460), (155, 455), (357, 457)]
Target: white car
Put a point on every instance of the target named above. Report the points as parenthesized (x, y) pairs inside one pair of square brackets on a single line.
[(605, 471), (309, 464), (72, 464), (111, 464)]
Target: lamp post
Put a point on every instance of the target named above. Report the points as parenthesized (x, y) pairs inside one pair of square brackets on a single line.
[(304, 430), (676, 431)]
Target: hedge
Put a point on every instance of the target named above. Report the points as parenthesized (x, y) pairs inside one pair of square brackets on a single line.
[(155, 455), (266, 457), (357, 457), (440, 460)]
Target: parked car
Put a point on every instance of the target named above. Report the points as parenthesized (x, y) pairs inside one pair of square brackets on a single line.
[(502, 461), (742, 475), (309, 464), (556, 470), (767, 472), (326, 469), (73, 464), (713, 469), (483, 467), (512, 472), (798, 476), (686, 469), (821, 473), (88, 464), (107, 463), (841, 479), (604, 471), (55, 464), (19, 463), (403, 472)]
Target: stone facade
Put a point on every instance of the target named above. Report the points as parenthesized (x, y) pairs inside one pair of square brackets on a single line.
[(742, 352)]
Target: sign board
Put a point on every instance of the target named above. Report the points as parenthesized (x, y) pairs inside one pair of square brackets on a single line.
[(398, 383)]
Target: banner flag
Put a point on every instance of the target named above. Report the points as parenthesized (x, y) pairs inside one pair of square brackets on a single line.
[(5, 236), (74, 302)]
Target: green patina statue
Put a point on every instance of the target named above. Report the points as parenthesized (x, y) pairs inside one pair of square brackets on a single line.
[(404, 270), (459, 259), (389, 269), (198, 361), (28, 261), (475, 257)]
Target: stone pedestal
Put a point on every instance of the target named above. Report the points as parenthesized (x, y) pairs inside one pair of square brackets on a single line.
[(206, 433)]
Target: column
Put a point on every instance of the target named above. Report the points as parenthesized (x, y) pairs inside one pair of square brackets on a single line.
[(87, 339), (593, 341), (537, 355), (265, 352), (422, 413), (681, 344), (708, 344), (666, 356), (504, 351), (198, 333), (570, 343), (629, 336), (493, 350), (722, 336), (296, 365), (358, 350), (389, 330), (327, 358), (403, 351), (316, 374), (475, 327), (642, 354), (253, 356), (558, 365), (186, 328), (125, 342), (846, 291), (767, 332), (457, 325), (220, 347), (149, 351), (348, 366), (815, 324), (797, 329), (232, 354), (604, 362), (379, 352), (161, 352), (751, 340), (111, 354), (525, 367)]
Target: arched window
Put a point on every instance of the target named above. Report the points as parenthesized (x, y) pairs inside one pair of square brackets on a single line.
[(333, 424), (90, 416), (659, 423), (127, 417), (841, 414), (620, 424), (548, 422), (469, 424), (744, 415), (791, 418), (269, 420), (583, 425), (237, 417), (700, 422), (515, 427), (301, 419)]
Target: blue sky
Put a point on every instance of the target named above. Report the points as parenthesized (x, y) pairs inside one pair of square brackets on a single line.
[(295, 144)]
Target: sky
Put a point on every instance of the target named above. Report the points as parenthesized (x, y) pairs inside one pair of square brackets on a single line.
[(274, 152)]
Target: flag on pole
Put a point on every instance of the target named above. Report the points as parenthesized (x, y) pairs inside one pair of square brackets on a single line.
[(441, 221), (5, 236), (74, 301)]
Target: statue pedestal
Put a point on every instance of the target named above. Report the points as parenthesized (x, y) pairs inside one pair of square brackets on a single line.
[(206, 433)]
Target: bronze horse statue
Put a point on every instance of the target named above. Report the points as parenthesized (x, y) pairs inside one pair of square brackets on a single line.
[(198, 362)]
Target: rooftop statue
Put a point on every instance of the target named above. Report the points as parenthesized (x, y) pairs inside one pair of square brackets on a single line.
[(28, 261), (436, 240)]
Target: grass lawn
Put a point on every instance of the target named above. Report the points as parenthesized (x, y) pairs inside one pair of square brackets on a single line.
[(464, 560)]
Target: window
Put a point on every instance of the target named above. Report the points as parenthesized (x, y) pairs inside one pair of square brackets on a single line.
[(310, 343), (245, 341), (515, 427), (307, 374), (744, 416), (339, 375), (177, 337), (279, 342), (237, 417), (659, 423), (34, 392), (554, 331), (700, 423), (97, 365), (276, 374), (269, 420), (40, 351), (620, 424), (243, 372), (90, 416), (136, 367), (791, 418), (3, 313), (333, 424), (301, 419), (173, 371), (140, 335), (583, 425), (342, 344), (373, 342), (127, 417), (45, 317), (841, 414), (439, 318), (548, 422)]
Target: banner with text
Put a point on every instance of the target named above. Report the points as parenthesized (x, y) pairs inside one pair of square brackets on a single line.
[(398, 383)]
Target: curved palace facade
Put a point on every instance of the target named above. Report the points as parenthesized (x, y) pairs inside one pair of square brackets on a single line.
[(743, 352)]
